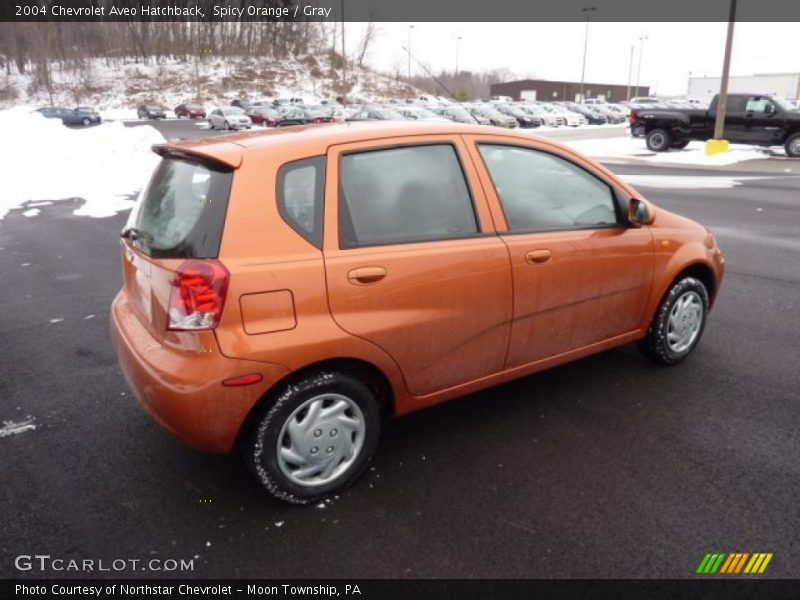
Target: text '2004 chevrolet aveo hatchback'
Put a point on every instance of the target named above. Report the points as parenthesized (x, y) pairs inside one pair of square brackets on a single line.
[(285, 289)]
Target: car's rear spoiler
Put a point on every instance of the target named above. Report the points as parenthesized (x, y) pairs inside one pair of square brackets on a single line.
[(226, 154)]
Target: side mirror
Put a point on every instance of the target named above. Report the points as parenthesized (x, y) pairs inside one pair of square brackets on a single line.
[(640, 212)]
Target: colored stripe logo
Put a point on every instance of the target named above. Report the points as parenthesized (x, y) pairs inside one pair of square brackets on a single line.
[(734, 563)]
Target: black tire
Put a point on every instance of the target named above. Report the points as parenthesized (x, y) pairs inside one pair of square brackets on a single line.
[(658, 140), (227, 126), (679, 145), (792, 145), (259, 441), (656, 344)]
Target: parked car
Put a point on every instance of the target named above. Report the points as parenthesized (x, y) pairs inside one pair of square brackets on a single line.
[(614, 117), (572, 119), (418, 113), (245, 105), (70, 117), (460, 115), (317, 114), (524, 119), (291, 347), (292, 114), (376, 113), (749, 119), (592, 116), (190, 111), (495, 117), (151, 111), (264, 115), (548, 118), (229, 117)]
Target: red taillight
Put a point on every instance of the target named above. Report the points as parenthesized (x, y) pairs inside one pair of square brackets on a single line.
[(633, 118), (198, 295)]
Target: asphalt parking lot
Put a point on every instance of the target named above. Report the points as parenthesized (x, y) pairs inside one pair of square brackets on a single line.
[(608, 467)]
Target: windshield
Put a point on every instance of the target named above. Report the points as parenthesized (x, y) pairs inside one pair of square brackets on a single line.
[(783, 104), (389, 114)]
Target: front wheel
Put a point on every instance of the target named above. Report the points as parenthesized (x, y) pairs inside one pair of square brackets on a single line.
[(678, 324), (85, 122), (658, 140), (793, 145), (314, 439)]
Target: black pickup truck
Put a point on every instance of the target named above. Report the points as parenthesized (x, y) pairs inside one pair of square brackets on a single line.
[(750, 119)]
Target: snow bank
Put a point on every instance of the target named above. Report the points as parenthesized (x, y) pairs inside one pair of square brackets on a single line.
[(104, 165), (635, 148)]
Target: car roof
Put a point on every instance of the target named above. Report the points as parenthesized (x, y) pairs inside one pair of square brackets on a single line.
[(312, 140)]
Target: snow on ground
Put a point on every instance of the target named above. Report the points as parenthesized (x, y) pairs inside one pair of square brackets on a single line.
[(104, 165), (694, 154), (688, 182), (11, 428)]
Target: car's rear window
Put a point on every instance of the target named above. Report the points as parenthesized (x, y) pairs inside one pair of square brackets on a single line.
[(182, 212)]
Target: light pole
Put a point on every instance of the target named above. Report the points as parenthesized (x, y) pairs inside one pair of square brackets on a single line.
[(588, 10), (642, 40), (458, 39), (630, 72), (344, 55), (410, 27), (722, 99)]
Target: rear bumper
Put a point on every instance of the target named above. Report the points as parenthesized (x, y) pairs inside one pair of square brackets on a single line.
[(181, 387)]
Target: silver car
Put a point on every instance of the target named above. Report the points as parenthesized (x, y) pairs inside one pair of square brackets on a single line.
[(229, 117)]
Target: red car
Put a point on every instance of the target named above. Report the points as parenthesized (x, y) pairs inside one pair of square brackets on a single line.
[(264, 115), (191, 111)]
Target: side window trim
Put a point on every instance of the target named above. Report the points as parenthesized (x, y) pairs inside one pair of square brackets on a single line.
[(344, 209), (319, 163), (616, 193)]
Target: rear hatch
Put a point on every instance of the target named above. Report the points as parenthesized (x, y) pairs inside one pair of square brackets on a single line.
[(177, 222)]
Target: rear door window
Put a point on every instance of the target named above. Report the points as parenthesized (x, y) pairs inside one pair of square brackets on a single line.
[(402, 195), (301, 186), (182, 212)]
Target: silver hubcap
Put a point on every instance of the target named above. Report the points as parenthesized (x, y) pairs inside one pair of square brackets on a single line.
[(685, 321), (657, 140), (321, 439), (794, 147)]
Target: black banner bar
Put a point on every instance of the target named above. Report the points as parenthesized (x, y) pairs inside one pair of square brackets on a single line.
[(739, 588), (397, 10)]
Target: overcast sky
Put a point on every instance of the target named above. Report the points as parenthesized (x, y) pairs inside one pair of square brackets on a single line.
[(555, 50)]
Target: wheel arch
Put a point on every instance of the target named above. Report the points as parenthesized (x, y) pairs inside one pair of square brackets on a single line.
[(363, 370)]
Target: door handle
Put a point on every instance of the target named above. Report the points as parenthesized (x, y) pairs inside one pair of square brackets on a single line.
[(366, 275), (537, 256)]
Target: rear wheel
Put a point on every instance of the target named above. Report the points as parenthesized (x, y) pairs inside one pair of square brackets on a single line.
[(658, 140), (316, 438), (678, 324), (793, 145)]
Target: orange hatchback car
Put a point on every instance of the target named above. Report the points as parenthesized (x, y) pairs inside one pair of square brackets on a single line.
[(285, 289)]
